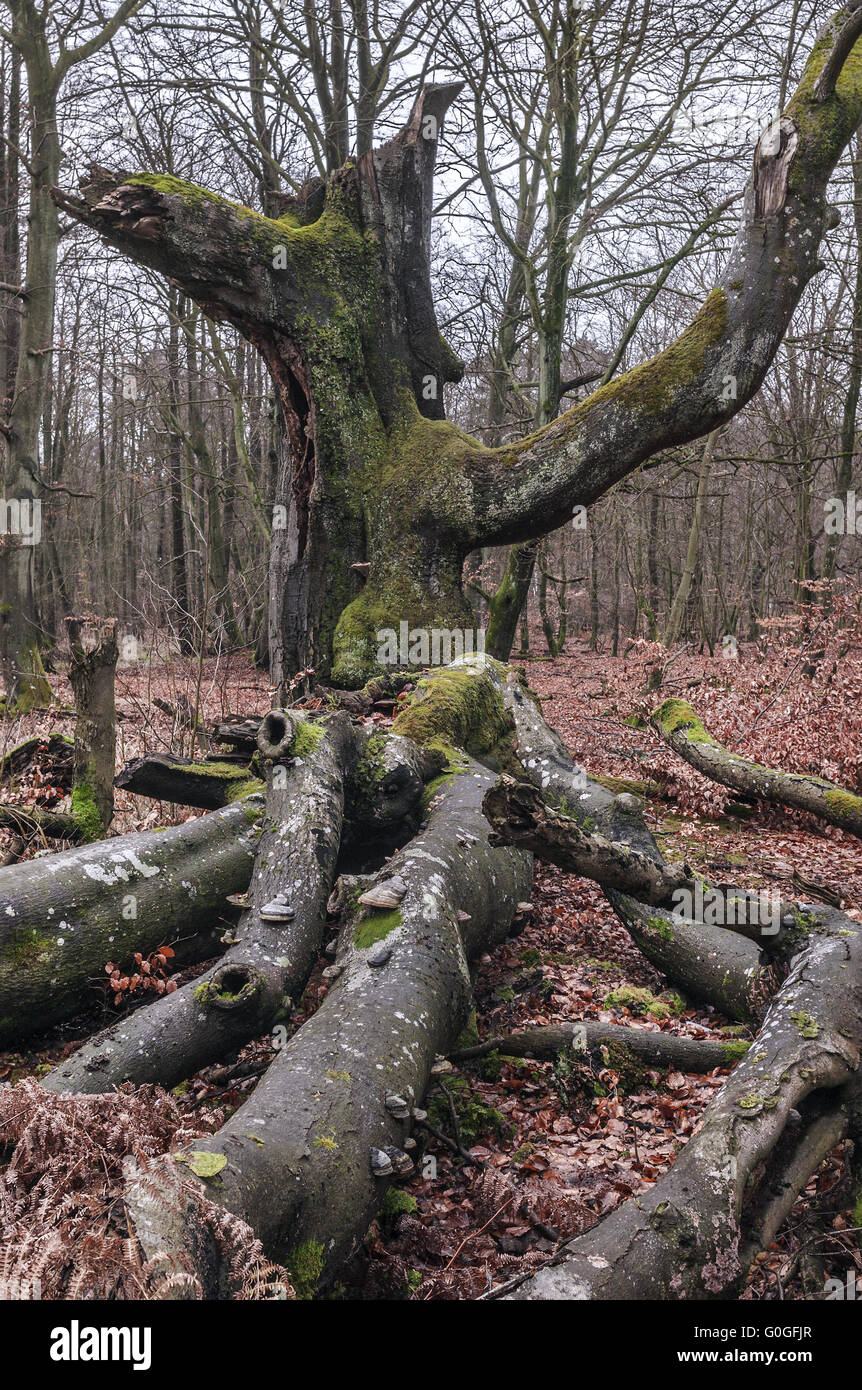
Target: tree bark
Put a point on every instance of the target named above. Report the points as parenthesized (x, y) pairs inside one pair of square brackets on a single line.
[(299, 1152), (92, 670), (688, 1236), (521, 816), (188, 783), (266, 970), (678, 725), (64, 917)]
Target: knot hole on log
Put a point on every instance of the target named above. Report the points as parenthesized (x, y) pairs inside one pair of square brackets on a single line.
[(232, 987), (276, 734)]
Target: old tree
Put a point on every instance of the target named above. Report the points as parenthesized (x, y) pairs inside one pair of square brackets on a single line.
[(335, 293)]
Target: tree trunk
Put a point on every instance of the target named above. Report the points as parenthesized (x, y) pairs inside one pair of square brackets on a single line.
[(264, 972), (336, 295), (92, 670), (302, 1163)]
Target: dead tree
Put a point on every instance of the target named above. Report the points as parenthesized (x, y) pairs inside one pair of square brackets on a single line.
[(336, 295)]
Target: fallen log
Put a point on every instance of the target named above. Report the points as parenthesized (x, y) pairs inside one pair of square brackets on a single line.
[(55, 750), (688, 1236), (309, 1157), (64, 916), (651, 1049), (521, 816), (29, 820), (708, 963), (186, 782), (267, 967), (678, 724)]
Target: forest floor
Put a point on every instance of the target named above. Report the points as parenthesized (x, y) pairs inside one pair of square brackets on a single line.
[(553, 1147)]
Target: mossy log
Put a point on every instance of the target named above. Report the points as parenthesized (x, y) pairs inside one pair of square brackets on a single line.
[(267, 967), (55, 750), (298, 1156), (709, 963), (64, 916), (694, 1233), (649, 1050), (678, 724), (187, 782)]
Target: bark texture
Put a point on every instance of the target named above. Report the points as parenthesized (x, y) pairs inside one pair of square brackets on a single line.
[(267, 967), (62, 918), (298, 1155)]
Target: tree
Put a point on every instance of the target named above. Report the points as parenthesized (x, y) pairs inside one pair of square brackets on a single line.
[(336, 295)]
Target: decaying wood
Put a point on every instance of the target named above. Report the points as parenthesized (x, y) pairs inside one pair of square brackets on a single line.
[(63, 917), (189, 783), (300, 1152), (521, 816), (680, 726), (652, 1048)]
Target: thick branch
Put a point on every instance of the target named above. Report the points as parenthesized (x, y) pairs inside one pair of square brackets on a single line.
[(679, 725), (521, 816), (719, 362)]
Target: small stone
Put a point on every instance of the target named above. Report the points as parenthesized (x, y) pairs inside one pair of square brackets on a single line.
[(379, 954), (397, 1106), (381, 1163)]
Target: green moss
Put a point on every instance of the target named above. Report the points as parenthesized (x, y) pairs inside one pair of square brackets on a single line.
[(733, 1052), (843, 805), (676, 715), (306, 739), (376, 927), (751, 1101), (305, 1266), (660, 928), (628, 1067), (459, 707), (326, 1141), (25, 946), (805, 1024), (398, 1203), (640, 1001), (475, 1118), (469, 1035), (85, 811)]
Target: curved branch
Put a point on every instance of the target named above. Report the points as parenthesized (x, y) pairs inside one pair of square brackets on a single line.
[(709, 373)]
